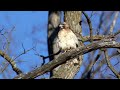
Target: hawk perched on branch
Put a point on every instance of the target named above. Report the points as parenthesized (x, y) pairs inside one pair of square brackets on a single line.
[(66, 38)]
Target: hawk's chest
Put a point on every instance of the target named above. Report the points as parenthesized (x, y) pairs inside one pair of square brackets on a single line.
[(63, 34), (67, 39)]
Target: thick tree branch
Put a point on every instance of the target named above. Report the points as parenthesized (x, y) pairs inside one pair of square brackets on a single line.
[(96, 37), (99, 37), (110, 66), (67, 56), (85, 39), (12, 63)]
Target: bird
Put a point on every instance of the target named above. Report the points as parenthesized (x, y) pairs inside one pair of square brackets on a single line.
[(67, 40)]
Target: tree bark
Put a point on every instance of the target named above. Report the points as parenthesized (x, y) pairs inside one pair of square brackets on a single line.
[(71, 67), (54, 18)]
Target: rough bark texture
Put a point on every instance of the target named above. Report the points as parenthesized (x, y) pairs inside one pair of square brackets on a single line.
[(53, 22), (71, 67)]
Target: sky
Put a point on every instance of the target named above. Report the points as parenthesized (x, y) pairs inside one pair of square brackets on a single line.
[(30, 29)]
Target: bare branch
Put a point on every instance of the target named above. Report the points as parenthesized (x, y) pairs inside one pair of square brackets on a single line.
[(8, 42), (110, 66), (116, 33), (45, 57), (1, 30), (7, 39), (24, 52), (103, 62), (96, 37), (90, 25), (118, 51), (67, 56), (89, 67), (100, 23), (12, 63), (99, 37), (2, 70), (114, 22)]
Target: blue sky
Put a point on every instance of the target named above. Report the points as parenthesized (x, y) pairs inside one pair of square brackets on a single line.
[(31, 28)]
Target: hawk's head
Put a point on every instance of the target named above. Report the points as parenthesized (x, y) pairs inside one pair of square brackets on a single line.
[(64, 25)]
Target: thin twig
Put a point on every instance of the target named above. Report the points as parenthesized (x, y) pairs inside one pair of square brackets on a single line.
[(4, 68), (8, 42), (24, 52), (1, 30), (43, 58), (100, 24), (113, 75)]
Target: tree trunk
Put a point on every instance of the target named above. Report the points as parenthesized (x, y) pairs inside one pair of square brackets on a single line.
[(70, 68), (53, 22)]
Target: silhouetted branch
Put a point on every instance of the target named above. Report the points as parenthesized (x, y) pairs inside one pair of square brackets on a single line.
[(24, 52), (45, 57)]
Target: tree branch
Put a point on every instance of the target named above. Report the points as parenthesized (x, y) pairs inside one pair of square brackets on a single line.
[(114, 22), (110, 66), (89, 67), (103, 62), (90, 25), (24, 52), (12, 63), (96, 37), (99, 37), (67, 56)]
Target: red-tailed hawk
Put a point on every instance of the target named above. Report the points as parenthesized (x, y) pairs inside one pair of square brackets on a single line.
[(66, 38)]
